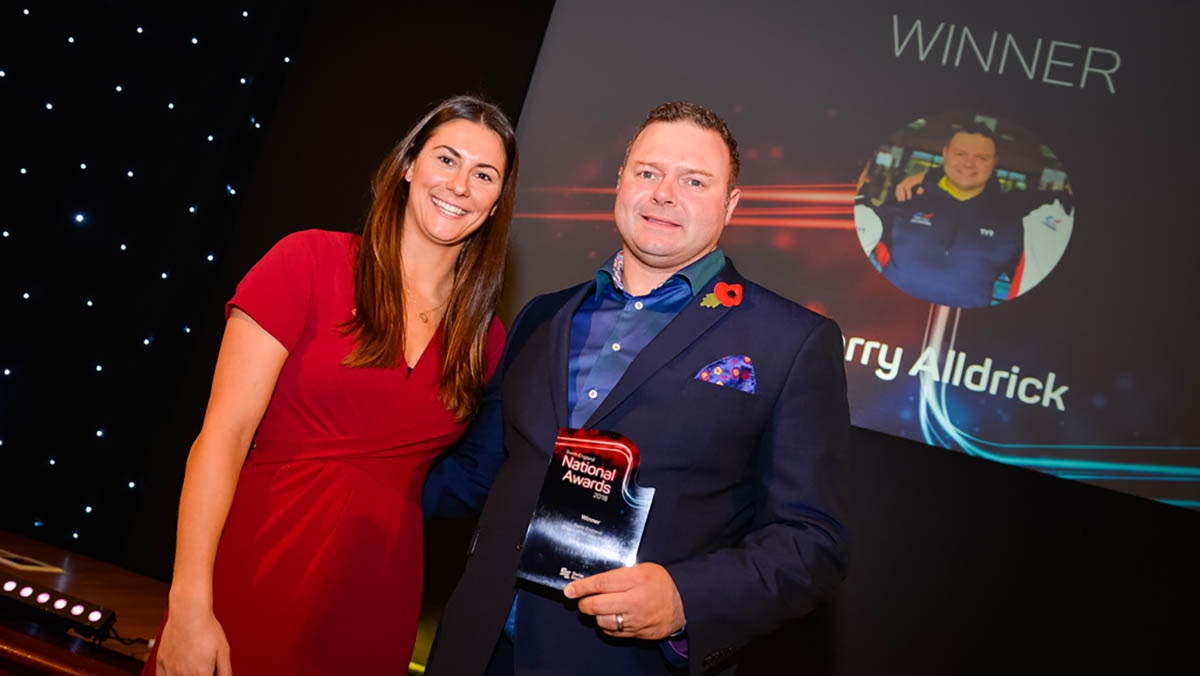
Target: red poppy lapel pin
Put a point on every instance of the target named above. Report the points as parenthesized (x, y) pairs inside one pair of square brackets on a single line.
[(723, 295)]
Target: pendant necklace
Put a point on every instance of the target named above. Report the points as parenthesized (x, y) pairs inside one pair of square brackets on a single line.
[(424, 315)]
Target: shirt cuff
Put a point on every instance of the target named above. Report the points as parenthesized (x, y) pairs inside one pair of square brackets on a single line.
[(675, 648)]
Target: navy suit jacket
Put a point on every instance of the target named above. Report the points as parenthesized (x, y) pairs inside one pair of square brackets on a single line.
[(746, 517)]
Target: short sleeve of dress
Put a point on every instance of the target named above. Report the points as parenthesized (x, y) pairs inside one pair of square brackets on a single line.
[(277, 291)]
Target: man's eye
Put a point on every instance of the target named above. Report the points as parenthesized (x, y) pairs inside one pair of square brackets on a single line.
[(646, 174), (695, 183)]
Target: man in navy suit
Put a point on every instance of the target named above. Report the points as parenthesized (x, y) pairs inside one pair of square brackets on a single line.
[(736, 399)]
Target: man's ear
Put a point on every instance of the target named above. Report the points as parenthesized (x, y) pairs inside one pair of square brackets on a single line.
[(731, 203), (620, 170)]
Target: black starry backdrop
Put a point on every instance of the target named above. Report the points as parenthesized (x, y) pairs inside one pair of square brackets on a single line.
[(131, 128)]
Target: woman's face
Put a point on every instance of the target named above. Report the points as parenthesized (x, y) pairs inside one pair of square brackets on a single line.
[(455, 182)]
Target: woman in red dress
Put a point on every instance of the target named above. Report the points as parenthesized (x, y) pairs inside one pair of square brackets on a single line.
[(349, 362)]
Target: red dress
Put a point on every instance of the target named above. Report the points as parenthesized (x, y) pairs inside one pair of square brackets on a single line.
[(319, 568)]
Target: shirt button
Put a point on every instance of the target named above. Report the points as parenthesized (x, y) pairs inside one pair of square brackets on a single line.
[(616, 347), (592, 394), (639, 305)]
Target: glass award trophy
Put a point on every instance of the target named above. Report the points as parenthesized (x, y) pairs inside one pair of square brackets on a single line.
[(590, 513)]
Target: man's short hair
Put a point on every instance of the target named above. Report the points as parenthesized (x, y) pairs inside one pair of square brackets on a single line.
[(973, 128), (685, 111)]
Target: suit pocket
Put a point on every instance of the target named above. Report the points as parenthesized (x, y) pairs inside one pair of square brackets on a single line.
[(703, 398), (714, 426)]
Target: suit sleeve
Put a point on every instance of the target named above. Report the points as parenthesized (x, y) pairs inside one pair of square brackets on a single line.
[(795, 554), (459, 481)]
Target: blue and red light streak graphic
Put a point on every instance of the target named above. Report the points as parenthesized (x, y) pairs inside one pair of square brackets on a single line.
[(817, 206)]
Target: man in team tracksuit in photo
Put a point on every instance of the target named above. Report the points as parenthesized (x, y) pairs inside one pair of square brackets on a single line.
[(958, 240)]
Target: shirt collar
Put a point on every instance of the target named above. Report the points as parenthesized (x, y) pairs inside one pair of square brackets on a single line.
[(944, 184), (697, 275)]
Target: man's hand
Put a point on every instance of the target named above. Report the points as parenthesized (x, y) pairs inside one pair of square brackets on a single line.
[(644, 595), (910, 186)]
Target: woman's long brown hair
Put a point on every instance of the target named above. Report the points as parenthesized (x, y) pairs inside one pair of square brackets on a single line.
[(378, 323)]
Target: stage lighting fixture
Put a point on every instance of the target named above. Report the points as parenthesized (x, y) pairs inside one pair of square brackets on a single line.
[(49, 607)]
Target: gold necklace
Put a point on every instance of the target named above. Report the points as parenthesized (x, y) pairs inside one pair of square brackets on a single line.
[(424, 315)]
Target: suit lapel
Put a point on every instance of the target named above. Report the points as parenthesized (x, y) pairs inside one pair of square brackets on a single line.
[(690, 324), (560, 352)]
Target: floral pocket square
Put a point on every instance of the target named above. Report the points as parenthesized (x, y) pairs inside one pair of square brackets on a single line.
[(734, 371)]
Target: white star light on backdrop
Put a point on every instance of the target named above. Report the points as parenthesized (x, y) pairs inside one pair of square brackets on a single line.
[(103, 84)]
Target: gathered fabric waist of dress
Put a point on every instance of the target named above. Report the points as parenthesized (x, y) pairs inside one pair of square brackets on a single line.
[(389, 460), (272, 451)]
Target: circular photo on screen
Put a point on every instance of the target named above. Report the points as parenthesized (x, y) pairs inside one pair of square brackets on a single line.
[(964, 210)]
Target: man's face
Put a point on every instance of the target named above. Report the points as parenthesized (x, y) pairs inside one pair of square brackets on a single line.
[(970, 159), (672, 195)]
